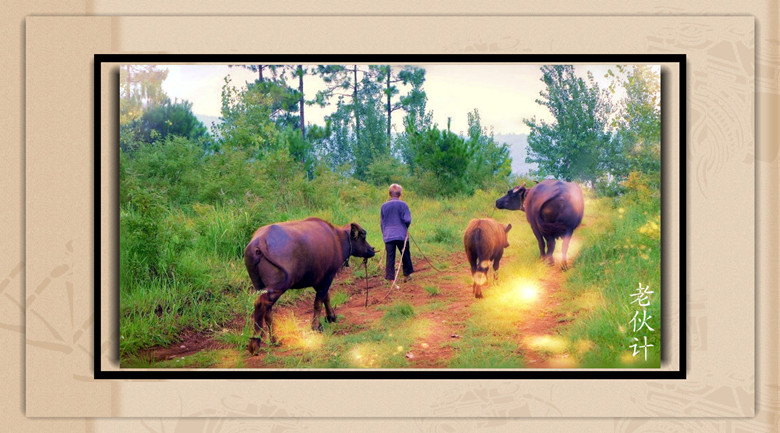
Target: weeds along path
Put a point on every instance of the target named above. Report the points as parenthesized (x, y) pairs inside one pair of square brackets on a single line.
[(432, 321), (534, 316), (411, 326)]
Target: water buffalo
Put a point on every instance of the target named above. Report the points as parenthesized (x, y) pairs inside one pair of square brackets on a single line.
[(484, 240), (295, 255), (553, 209)]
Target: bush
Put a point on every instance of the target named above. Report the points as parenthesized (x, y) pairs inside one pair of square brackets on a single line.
[(140, 233), (643, 187), (387, 170), (609, 187), (172, 167), (443, 235)]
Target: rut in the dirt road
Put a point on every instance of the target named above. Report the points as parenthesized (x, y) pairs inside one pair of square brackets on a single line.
[(538, 332), (432, 321)]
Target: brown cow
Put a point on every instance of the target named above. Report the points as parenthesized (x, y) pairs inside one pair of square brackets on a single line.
[(484, 240), (553, 209), (295, 255)]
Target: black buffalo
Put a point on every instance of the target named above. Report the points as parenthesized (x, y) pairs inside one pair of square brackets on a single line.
[(484, 241), (295, 255), (553, 209)]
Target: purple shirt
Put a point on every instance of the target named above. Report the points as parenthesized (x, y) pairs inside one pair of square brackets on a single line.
[(394, 220)]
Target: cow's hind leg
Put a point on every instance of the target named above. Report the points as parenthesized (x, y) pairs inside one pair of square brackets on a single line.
[(263, 319), (550, 249), (564, 249), (496, 262)]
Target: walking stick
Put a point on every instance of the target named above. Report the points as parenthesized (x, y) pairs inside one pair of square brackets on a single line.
[(398, 269), (365, 268)]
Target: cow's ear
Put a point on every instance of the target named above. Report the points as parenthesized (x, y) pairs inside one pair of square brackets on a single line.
[(507, 228), (354, 230)]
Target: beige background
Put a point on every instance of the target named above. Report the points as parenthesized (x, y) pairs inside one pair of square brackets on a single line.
[(50, 361), (48, 48), (716, 142)]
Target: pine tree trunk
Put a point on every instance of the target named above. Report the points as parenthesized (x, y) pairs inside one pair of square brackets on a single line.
[(355, 108), (389, 107), (300, 102)]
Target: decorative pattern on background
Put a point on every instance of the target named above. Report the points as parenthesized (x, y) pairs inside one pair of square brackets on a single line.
[(503, 402), (15, 302), (238, 406), (505, 399), (628, 425), (732, 396), (719, 133), (65, 334), (718, 129)]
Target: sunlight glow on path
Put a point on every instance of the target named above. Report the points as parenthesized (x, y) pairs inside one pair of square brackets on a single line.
[(522, 294)]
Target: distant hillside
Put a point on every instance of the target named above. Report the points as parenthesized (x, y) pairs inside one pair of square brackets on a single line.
[(208, 120), (518, 145), (518, 148)]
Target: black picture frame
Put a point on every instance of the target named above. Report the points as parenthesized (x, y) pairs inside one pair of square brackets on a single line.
[(390, 374)]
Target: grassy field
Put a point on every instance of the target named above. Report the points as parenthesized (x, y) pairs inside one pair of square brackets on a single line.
[(194, 312)]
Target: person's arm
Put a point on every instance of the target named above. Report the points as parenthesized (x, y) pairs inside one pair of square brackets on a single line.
[(382, 219), (406, 217)]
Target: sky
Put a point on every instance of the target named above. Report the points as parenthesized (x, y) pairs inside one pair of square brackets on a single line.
[(504, 94)]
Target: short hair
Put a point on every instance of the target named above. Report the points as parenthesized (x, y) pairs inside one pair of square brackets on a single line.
[(395, 190)]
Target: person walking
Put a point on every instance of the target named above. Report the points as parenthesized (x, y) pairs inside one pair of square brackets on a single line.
[(395, 219)]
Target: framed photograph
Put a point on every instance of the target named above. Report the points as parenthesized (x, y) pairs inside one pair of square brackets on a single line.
[(144, 208), (393, 216)]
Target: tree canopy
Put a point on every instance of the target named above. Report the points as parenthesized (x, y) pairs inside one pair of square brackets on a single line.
[(590, 138), (576, 146)]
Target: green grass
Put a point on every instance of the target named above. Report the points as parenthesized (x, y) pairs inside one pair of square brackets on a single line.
[(193, 267), (338, 298), (382, 344), (293, 296), (432, 290), (398, 311), (223, 358), (195, 274), (624, 251)]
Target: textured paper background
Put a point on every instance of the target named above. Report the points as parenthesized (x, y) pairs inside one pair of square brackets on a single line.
[(11, 288), (50, 364)]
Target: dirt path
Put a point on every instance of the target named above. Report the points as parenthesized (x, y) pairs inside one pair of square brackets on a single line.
[(447, 313), (537, 332)]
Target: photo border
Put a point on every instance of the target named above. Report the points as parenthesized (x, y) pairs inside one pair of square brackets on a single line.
[(681, 373)]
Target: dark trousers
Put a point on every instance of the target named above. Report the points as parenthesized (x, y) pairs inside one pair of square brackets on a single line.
[(406, 259)]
